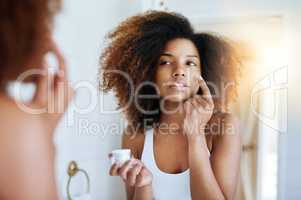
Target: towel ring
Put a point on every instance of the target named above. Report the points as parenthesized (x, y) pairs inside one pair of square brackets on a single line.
[(72, 171)]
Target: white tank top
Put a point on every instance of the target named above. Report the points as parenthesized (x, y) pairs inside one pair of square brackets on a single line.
[(165, 186)]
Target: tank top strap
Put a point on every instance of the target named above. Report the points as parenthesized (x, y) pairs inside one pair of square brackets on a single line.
[(147, 154), (148, 141)]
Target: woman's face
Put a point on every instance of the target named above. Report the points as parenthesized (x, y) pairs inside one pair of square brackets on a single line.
[(178, 69)]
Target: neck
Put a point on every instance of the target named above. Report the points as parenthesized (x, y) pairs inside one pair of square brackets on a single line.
[(171, 117)]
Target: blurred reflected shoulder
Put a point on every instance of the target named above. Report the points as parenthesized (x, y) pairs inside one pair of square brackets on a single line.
[(26, 155)]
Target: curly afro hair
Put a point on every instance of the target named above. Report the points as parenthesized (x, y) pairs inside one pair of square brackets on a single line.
[(134, 48)]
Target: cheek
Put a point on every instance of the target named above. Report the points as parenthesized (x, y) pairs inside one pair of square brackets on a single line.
[(161, 77), (193, 80)]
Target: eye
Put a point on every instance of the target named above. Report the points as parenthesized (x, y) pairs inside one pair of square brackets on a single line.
[(164, 62), (191, 63)]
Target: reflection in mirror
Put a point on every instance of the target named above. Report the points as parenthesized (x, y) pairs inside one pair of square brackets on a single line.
[(262, 98)]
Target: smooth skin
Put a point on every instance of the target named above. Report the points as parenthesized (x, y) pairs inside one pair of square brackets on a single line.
[(213, 177), (27, 152)]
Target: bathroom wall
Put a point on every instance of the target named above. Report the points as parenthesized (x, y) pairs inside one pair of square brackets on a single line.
[(86, 134)]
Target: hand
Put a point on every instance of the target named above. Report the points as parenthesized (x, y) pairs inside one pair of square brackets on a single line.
[(133, 172), (53, 92), (198, 111)]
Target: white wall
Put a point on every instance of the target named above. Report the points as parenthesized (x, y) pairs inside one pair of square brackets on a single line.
[(80, 32)]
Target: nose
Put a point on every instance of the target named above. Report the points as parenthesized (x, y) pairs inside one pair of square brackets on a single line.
[(179, 71)]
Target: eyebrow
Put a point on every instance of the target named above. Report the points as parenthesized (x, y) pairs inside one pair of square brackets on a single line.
[(170, 55)]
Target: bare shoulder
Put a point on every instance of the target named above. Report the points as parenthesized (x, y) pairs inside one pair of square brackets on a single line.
[(26, 148), (14, 122), (224, 128), (134, 140)]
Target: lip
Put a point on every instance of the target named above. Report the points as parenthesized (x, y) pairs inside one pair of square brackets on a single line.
[(177, 85)]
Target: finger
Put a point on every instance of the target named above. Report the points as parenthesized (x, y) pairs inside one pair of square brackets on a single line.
[(142, 177), (60, 58), (188, 106), (41, 83), (125, 168), (63, 91), (41, 86), (209, 105), (63, 94), (51, 91), (197, 101), (196, 104), (203, 104), (114, 170), (44, 94), (132, 174), (206, 92)]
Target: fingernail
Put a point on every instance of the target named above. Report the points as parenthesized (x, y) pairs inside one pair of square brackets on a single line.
[(201, 78)]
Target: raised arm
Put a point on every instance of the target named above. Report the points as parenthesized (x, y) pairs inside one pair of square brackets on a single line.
[(213, 177)]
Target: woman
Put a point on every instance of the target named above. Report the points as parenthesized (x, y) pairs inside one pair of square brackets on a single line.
[(26, 146), (184, 143)]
